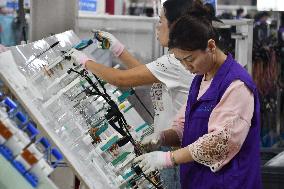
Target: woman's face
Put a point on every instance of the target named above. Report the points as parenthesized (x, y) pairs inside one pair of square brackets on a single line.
[(163, 30), (198, 61)]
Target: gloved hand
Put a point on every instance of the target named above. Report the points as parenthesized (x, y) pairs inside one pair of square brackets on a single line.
[(79, 57), (153, 142), (116, 46), (154, 161)]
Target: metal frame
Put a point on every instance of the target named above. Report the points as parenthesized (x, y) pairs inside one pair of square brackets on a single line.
[(244, 40), (51, 17)]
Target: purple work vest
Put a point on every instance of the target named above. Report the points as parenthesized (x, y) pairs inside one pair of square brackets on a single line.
[(243, 171)]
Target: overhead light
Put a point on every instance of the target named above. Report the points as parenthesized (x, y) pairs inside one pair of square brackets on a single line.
[(270, 5), (162, 1)]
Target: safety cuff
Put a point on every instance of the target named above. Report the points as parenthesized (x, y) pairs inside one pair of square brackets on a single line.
[(84, 60), (118, 49), (168, 163)]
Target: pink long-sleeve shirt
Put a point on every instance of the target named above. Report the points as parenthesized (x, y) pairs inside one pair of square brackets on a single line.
[(228, 126)]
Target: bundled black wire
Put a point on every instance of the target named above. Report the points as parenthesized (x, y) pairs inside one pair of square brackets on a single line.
[(115, 116)]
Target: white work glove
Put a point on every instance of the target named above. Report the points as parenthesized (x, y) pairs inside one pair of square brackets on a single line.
[(153, 142), (154, 161), (116, 46), (79, 57)]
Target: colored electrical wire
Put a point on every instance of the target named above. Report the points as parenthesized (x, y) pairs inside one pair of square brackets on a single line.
[(123, 130)]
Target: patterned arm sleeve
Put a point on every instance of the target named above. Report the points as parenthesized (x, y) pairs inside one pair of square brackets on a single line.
[(228, 126)]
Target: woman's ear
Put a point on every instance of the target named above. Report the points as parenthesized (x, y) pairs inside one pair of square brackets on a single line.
[(211, 45)]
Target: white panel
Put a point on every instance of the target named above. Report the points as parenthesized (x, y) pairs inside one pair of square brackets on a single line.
[(49, 17)]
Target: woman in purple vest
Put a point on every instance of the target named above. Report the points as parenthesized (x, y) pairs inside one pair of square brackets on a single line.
[(221, 134)]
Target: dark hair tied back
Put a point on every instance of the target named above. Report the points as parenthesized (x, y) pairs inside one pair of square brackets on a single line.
[(193, 30), (206, 12)]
